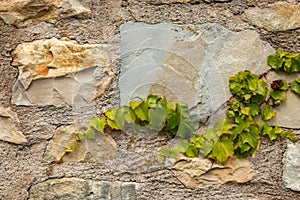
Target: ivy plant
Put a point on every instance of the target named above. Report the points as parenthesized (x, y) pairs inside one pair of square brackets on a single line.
[(249, 110)]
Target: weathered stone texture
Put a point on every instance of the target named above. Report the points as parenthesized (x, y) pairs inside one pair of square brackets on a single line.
[(23, 13), (200, 173), (182, 1), (287, 112), (9, 123), (58, 72), (189, 63), (291, 168), (78, 189), (102, 148), (280, 16)]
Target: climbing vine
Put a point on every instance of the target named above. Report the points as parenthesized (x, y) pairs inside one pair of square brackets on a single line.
[(249, 110)]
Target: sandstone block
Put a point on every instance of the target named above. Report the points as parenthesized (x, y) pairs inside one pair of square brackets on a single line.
[(60, 72), (199, 172), (22, 13), (280, 16)]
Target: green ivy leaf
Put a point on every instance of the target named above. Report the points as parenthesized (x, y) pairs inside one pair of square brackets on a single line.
[(278, 95), (113, 124), (262, 88), (173, 120), (296, 64), (282, 54), (251, 137), (98, 123), (162, 102), (206, 148), (223, 127), (234, 105), (135, 104), (238, 130), (79, 136), (152, 100), (252, 81), (169, 152), (141, 110), (192, 151), (267, 113), (222, 150), (289, 135), (111, 113), (287, 65), (254, 109), (90, 133), (183, 145), (71, 148), (275, 62), (157, 118), (197, 140), (124, 115), (284, 85), (245, 111), (186, 127), (269, 131), (295, 86), (244, 148), (211, 135)]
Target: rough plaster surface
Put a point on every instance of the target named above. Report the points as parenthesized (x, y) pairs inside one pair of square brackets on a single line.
[(22, 166)]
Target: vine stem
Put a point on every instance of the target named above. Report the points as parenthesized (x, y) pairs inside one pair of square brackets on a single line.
[(201, 124)]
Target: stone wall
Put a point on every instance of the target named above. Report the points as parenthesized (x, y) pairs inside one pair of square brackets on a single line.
[(65, 61)]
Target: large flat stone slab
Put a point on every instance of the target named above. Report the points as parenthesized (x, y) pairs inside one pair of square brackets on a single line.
[(190, 63), (60, 72)]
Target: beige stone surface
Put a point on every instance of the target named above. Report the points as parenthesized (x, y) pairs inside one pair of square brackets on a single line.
[(199, 172), (9, 127), (280, 16), (22, 13), (56, 72), (64, 136)]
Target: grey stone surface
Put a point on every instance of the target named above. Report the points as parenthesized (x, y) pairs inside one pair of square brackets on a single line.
[(60, 72), (9, 123), (280, 16), (291, 168), (287, 113), (78, 189), (190, 63), (24, 13)]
